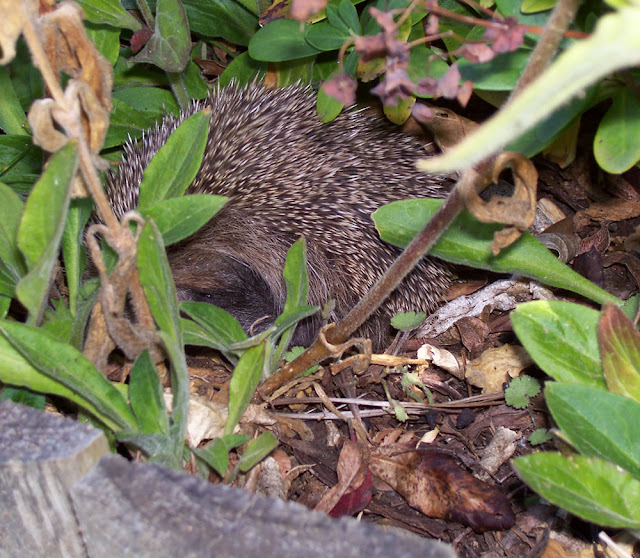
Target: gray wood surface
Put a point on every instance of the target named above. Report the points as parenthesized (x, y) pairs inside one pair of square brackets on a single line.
[(56, 501)]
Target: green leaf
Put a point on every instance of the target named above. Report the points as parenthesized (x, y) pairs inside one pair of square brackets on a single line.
[(598, 423), (41, 228), (593, 489), (545, 326), (620, 352), (46, 206), (243, 70), (614, 45), (177, 162), (499, 74), (170, 45), (467, 242), (520, 390), (297, 281), (243, 384), (225, 18), (20, 162), (73, 248), (65, 366), (349, 15), (534, 6), (145, 396), (24, 397), (539, 436), (257, 450), (159, 447), (324, 36), (327, 107), (11, 207), (156, 280), (109, 12), (223, 328), (155, 277), (178, 218), (216, 452), (106, 39), (12, 117), (407, 321), (616, 145), (125, 122), (280, 40), (150, 102)]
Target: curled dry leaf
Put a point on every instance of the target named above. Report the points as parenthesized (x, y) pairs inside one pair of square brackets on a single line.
[(70, 50), (87, 98), (433, 483), (518, 211), (353, 491), (14, 17)]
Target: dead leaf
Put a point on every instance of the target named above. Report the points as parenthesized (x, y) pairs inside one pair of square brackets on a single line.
[(352, 493), (14, 17), (433, 483), (500, 449), (496, 366)]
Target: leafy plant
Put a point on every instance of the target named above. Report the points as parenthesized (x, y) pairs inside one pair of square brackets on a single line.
[(595, 360)]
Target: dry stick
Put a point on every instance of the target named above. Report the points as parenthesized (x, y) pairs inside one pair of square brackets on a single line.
[(341, 331)]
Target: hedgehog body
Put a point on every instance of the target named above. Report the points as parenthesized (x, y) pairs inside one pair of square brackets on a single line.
[(286, 174)]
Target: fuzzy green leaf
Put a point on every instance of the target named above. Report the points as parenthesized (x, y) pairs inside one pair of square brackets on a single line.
[(593, 489), (616, 145), (279, 41), (257, 450), (407, 321), (467, 242), (41, 228), (178, 218), (64, 365), (145, 396), (243, 384), (110, 12), (11, 207), (545, 326), (216, 453), (176, 163), (297, 281), (170, 45), (597, 422)]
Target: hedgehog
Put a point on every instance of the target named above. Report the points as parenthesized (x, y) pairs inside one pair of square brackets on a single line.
[(288, 175)]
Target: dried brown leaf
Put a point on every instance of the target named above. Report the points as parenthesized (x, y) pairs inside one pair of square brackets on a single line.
[(433, 483)]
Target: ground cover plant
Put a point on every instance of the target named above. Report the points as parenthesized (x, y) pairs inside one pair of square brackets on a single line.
[(79, 99)]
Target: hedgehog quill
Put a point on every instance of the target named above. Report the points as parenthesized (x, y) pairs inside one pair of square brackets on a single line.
[(287, 174)]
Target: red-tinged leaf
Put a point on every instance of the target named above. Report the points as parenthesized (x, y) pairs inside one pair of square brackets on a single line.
[(355, 501), (433, 483), (619, 344), (353, 491)]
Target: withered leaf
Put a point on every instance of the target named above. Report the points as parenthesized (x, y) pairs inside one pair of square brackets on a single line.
[(353, 491), (433, 483)]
